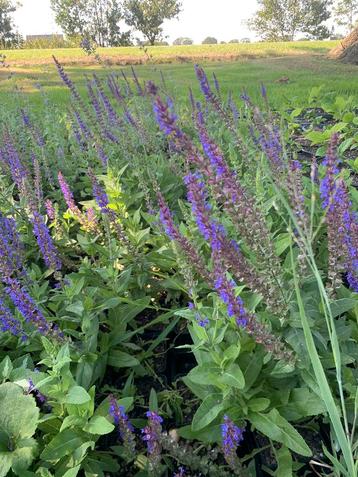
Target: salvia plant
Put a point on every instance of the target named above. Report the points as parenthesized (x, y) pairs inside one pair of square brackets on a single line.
[(179, 285)]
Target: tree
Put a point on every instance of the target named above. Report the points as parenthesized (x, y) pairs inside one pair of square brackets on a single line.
[(345, 13), (147, 16), (97, 20), (281, 20), (210, 40), (182, 40), (8, 36)]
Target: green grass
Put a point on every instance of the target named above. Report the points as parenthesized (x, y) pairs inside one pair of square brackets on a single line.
[(305, 64), (124, 55)]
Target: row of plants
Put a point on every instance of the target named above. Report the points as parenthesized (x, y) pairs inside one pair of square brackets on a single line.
[(178, 284)]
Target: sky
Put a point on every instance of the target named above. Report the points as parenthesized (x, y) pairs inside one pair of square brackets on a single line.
[(223, 19)]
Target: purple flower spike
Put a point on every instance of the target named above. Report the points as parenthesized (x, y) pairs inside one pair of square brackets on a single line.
[(8, 322), (27, 307), (232, 435), (44, 240), (235, 306), (152, 435), (342, 223), (50, 209), (126, 430)]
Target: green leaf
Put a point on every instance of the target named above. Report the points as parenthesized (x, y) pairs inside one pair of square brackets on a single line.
[(284, 462), (19, 414), (258, 404), (64, 443), (233, 377), (341, 306), (99, 425), (209, 409), (274, 426), (302, 403), (23, 456), (77, 395), (5, 368), (72, 472), (153, 401), (5, 463), (205, 374), (73, 421), (119, 359), (232, 352)]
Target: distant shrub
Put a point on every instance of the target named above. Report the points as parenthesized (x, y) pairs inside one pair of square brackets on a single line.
[(210, 40), (245, 40), (55, 41), (235, 40), (157, 43), (182, 40)]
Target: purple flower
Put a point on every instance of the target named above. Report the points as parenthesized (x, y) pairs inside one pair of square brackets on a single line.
[(216, 83), (111, 113), (86, 132), (68, 82), (152, 435), (19, 172), (166, 119), (114, 87), (26, 306), (126, 430), (235, 305), (11, 251), (328, 184), (129, 118), (50, 209), (180, 472), (136, 82), (342, 223), (99, 193), (45, 243), (202, 321), (68, 196), (213, 152), (8, 322), (232, 435), (263, 91), (33, 390), (204, 82), (152, 88)]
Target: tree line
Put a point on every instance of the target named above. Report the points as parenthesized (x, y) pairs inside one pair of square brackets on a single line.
[(114, 22)]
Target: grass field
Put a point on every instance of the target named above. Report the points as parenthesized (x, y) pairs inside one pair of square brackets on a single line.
[(239, 66)]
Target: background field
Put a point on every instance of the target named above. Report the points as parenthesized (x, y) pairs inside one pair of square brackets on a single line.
[(289, 70)]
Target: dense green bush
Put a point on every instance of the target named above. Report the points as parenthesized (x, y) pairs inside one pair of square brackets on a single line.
[(178, 285)]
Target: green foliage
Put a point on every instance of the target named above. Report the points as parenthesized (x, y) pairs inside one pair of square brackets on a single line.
[(147, 16), (121, 304), (282, 20), (8, 36), (95, 19), (183, 41), (345, 13), (18, 422), (210, 40)]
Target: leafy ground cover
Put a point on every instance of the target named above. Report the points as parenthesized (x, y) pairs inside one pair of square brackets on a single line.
[(178, 277)]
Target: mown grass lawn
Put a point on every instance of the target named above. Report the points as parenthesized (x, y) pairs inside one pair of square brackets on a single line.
[(289, 70)]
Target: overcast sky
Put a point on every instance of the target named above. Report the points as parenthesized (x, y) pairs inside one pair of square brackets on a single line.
[(224, 19)]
